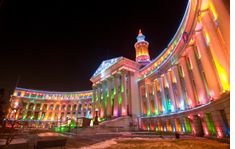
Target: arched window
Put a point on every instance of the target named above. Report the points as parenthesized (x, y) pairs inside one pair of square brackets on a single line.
[(69, 108), (74, 107)]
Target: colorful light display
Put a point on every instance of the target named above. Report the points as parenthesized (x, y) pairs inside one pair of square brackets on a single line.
[(178, 91)]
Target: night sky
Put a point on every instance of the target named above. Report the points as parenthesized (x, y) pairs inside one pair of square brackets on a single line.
[(58, 45)]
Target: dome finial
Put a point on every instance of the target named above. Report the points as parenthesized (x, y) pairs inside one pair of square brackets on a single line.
[(140, 33)]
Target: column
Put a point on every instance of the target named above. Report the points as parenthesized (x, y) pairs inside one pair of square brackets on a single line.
[(223, 20), (180, 101), (147, 85), (115, 109), (201, 91), (219, 124), (197, 126), (182, 124), (98, 102), (164, 109), (141, 98), (103, 98), (204, 124), (94, 103), (207, 65), (109, 92), (188, 84), (123, 92), (156, 112), (220, 58), (170, 87)]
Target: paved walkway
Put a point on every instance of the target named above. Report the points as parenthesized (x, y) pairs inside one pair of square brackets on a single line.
[(101, 140)]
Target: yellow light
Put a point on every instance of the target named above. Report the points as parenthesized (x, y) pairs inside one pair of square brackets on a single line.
[(207, 38), (213, 11), (223, 76)]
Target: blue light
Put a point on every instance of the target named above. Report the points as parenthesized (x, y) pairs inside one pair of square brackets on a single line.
[(182, 105), (140, 38)]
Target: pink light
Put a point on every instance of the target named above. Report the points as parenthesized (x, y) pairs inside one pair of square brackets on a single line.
[(212, 93), (219, 133), (151, 126), (206, 131), (190, 102), (193, 130), (115, 112), (123, 111)]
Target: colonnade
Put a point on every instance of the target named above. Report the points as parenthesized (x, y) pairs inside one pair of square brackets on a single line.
[(111, 96)]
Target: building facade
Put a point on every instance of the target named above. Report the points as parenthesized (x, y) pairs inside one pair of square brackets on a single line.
[(185, 89), (46, 108)]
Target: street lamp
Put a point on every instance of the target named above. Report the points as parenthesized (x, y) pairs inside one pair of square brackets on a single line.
[(96, 122)]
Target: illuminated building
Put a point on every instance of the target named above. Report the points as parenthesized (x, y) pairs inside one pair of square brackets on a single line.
[(185, 89), (46, 108)]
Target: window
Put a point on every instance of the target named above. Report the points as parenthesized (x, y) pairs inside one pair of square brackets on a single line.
[(57, 107), (51, 107)]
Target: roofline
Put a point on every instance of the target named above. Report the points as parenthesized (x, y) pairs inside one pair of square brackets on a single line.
[(50, 92)]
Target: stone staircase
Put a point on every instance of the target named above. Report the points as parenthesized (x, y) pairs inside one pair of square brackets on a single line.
[(120, 124)]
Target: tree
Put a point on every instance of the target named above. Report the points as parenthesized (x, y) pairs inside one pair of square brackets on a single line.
[(7, 133)]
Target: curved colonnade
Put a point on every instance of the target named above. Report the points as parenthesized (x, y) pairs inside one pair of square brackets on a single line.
[(186, 88), (48, 107)]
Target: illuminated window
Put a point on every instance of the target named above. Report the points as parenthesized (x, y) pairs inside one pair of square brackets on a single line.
[(57, 107), (74, 107), (69, 108), (51, 107), (63, 107)]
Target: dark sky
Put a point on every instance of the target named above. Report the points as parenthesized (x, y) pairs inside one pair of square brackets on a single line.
[(58, 45)]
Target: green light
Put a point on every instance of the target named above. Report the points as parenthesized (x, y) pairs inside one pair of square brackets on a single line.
[(148, 128), (187, 125), (105, 101), (31, 117), (72, 124), (24, 117), (148, 113), (210, 124), (156, 128), (119, 98), (175, 42), (122, 88), (114, 90), (156, 112)]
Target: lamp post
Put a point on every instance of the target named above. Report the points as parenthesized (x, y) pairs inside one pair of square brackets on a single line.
[(96, 122)]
